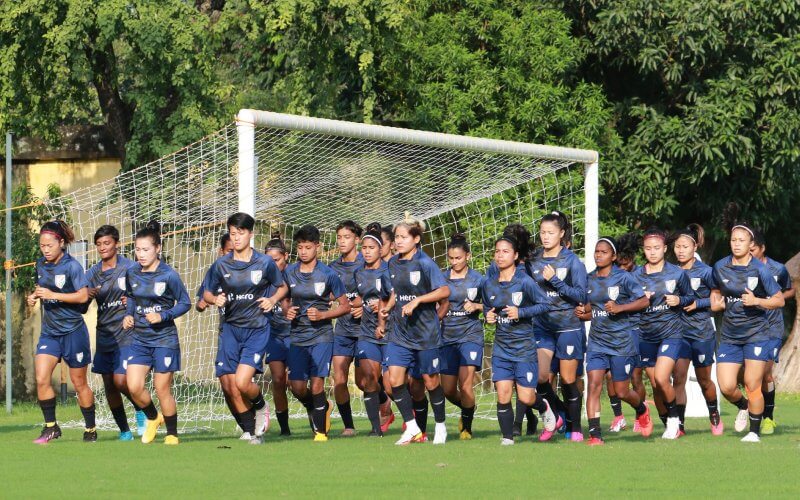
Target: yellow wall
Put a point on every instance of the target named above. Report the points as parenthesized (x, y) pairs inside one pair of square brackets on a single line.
[(70, 175)]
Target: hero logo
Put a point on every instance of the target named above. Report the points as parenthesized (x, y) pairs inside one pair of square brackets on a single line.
[(255, 276), (240, 296), (319, 288), (695, 282), (413, 277), (670, 285), (406, 298), (516, 298), (159, 288), (613, 292), (61, 280)]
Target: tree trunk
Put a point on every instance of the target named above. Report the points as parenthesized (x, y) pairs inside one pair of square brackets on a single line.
[(787, 372)]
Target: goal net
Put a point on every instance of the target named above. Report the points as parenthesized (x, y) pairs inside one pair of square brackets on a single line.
[(289, 171)]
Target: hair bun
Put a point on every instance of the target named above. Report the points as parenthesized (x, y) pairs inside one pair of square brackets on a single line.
[(154, 226), (373, 227), (458, 238), (275, 235)]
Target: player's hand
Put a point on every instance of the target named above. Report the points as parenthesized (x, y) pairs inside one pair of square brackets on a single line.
[(748, 299), (384, 313), (375, 305), (548, 272), (153, 318), (31, 299), (201, 305), (44, 293), (93, 291), (380, 331), (314, 314), (672, 300), (691, 307), (580, 310), (471, 307), (611, 307), (512, 312), (491, 317), (220, 300), (265, 304), (124, 301), (717, 303), (649, 294), (408, 309), (356, 312), (127, 322), (291, 313)]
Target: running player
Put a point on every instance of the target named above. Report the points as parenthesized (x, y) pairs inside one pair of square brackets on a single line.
[(511, 300), (62, 288), (613, 294), (775, 316), (240, 281), (346, 329), (418, 285), (462, 332), (107, 286), (699, 334), (312, 285), (155, 297)]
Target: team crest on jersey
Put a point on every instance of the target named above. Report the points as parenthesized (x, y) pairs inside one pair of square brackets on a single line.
[(121, 282), (61, 280), (255, 277), (775, 278), (627, 369), (167, 360), (472, 293), (413, 277), (570, 349), (319, 288), (561, 272), (435, 362), (516, 298), (695, 282), (757, 351), (664, 347), (125, 364), (256, 358), (473, 355), (752, 282), (79, 357), (529, 376), (670, 285), (613, 292), (160, 287), (378, 284), (701, 357)]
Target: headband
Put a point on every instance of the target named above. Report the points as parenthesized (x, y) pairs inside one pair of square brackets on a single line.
[(47, 231), (655, 235), (609, 242), (740, 226), (509, 239), (379, 241), (688, 235)]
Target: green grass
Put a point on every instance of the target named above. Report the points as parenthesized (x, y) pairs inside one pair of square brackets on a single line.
[(215, 464)]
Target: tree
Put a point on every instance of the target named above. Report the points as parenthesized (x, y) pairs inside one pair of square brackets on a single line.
[(144, 70)]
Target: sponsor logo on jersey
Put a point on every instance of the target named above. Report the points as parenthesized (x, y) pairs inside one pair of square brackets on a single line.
[(159, 288), (61, 280), (413, 277), (695, 282), (670, 285), (516, 298), (255, 276), (472, 293), (319, 288), (613, 292), (561, 272), (752, 282)]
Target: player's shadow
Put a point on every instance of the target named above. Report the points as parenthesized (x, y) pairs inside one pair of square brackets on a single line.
[(7, 429)]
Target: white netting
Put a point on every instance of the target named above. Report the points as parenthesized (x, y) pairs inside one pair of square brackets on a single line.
[(307, 177)]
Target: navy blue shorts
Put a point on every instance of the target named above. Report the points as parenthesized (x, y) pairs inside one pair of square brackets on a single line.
[(555, 367), (774, 346), (570, 345), (701, 352), (737, 353), (418, 362), (74, 348), (160, 359), (651, 351), (115, 362), (545, 340), (241, 346), (344, 346), (523, 373), (309, 361), (619, 366), (277, 349), (371, 351), (454, 356)]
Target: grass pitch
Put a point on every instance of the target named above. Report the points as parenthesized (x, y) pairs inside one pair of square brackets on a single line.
[(216, 464)]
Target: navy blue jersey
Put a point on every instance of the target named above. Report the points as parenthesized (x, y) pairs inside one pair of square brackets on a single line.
[(514, 339), (66, 276), (221, 310), (660, 321), (346, 325), (160, 291), (698, 323), (243, 283), (279, 326), (110, 310), (740, 324), (372, 285), (410, 279), (314, 289), (775, 316), (459, 326), (492, 271), (565, 290), (611, 333)]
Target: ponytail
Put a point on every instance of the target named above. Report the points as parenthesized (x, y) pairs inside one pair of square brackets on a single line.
[(152, 230)]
